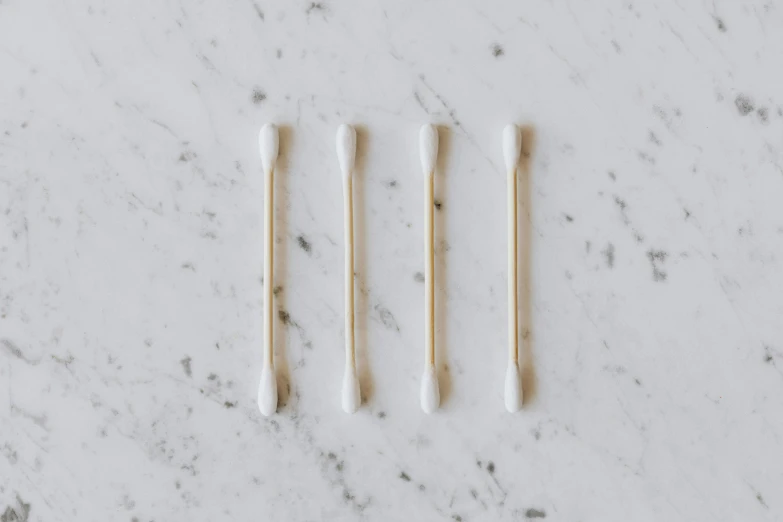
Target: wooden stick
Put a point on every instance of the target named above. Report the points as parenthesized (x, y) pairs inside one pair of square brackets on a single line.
[(350, 348), (513, 325), (429, 271), (269, 259)]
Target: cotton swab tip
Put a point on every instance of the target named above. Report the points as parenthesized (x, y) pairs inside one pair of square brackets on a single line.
[(513, 388), (352, 396), (268, 144), (346, 148), (512, 146), (430, 394), (267, 392), (428, 145)]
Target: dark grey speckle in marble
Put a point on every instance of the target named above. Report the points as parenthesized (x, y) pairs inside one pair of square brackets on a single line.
[(10, 454), (643, 156), (316, 6), (768, 358), (18, 513), (657, 257), (387, 318), (186, 365), (259, 12), (258, 96), (17, 352), (608, 253), (286, 319), (13, 349), (304, 244), (744, 105)]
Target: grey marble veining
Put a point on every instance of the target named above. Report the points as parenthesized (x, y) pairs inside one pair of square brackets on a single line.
[(131, 260)]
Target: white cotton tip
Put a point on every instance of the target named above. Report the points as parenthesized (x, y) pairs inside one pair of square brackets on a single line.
[(430, 394), (512, 146), (352, 395), (513, 388), (428, 145), (346, 148), (268, 144), (267, 391)]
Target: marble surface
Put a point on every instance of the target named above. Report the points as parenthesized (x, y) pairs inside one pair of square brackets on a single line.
[(131, 252)]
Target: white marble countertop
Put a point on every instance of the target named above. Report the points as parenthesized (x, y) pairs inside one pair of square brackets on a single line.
[(131, 260)]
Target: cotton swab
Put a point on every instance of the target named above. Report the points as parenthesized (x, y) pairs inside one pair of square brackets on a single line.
[(268, 142), (346, 154), (428, 148), (512, 146)]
